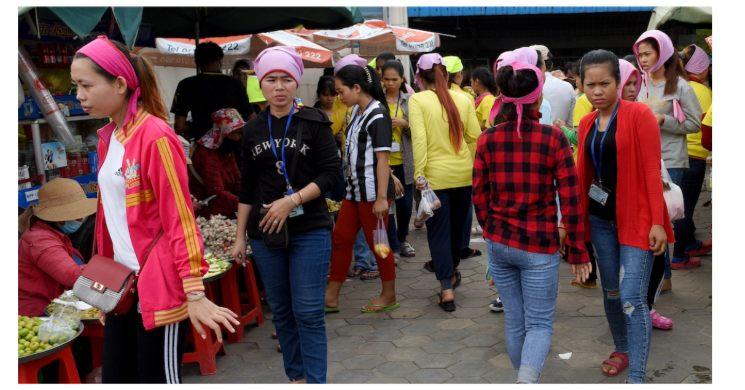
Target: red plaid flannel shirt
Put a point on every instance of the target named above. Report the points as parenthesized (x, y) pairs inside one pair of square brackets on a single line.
[(514, 192)]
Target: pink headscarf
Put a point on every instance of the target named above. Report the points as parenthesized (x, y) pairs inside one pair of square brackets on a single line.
[(699, 61), (224, 122), (279, 59), (627, 70), (519, 101), (523, 54), (663, 42), (498, 61), (352, 59), (427, 62), (106, 55), (667, 50)]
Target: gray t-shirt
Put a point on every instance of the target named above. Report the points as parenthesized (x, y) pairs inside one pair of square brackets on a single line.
[(673, 133)]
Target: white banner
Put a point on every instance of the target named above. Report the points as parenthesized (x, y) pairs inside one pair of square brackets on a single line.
[(186, 46)]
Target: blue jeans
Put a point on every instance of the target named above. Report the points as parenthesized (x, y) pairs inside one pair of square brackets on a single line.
[(398, 223), (295, 283), (363, 257), (624, 273), (691, 183), (676, 175), (528, 284)]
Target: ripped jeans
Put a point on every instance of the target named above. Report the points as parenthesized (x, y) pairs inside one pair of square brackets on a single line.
[(624, 274)]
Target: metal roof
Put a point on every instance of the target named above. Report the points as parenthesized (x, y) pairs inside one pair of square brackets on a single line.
[(486, 11)]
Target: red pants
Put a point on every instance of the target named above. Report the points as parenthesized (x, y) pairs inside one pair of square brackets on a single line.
[(352, 216)]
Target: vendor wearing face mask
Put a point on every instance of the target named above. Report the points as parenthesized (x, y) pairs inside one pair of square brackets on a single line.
[(47, 263)]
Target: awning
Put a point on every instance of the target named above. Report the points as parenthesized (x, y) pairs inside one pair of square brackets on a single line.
[(424, 12), (375, 36), (688, 15)]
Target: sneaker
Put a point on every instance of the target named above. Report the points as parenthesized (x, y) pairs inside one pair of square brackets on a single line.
[(407, 250), (477, 231), (496, 305), (691, 262), (659, 321)]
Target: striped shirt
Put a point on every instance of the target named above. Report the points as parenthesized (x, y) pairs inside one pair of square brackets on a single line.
[(368, 132)]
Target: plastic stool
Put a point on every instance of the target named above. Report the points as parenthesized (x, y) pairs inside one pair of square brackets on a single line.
[(248, 309), (68, 373)]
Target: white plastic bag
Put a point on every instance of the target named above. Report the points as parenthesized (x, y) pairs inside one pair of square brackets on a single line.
[(673, 196), (380, 240), (429, 202)]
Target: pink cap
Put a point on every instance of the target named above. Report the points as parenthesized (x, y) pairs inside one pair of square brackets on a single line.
[(352, 59), (279, 59), (699, 61), (427, 61)]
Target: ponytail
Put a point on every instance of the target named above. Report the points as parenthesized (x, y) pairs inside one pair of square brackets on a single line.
[(369, 82), (150, 96), (25, 219), (438, 76)]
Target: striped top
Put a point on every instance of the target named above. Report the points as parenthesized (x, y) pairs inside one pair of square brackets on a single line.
[(368, 132)]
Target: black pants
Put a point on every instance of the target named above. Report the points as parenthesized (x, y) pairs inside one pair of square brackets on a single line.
[(132, 354), (445, 232), (655, 280), (693, 180)]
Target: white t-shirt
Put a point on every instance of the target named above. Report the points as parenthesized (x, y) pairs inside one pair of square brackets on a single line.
[(561, 96), (113, 197)]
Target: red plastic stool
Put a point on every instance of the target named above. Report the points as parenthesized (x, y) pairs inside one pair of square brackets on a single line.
[(94, 331), (248, 308), (205, 350), (68, 373)]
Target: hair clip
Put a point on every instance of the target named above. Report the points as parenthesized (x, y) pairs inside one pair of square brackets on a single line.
[(367, 73)]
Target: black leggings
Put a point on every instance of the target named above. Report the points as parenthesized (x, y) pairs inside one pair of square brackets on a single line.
[(655, 280)]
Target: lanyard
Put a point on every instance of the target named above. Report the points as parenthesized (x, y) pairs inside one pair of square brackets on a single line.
[(283, 161), (398, 102), (598, 161)]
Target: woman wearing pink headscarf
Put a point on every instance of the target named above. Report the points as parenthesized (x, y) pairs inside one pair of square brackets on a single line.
[(214, 177), (519, 167), (678, 112), (144, 219), (628, 90), (290, 158)]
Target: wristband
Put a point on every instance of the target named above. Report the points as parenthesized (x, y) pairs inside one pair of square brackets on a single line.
[(300, 194), (195, 296), (293, 200)]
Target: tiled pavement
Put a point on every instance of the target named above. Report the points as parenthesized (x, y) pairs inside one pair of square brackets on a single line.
[(419, 343)]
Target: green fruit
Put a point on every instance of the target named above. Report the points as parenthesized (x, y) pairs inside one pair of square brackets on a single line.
[(22, 332), (35, 339), (29, 336)]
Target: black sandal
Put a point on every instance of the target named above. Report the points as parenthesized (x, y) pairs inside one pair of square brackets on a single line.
[(429, 266), (469, 253), (446, 305)]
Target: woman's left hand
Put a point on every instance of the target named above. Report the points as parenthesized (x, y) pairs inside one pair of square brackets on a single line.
[(660, 119), (205, 313), (380, 208), (275, 218), (582, 271), (400, 122)]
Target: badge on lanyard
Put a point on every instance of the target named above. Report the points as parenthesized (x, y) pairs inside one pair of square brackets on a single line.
[(598, 192), (282, 159), (395, 147)]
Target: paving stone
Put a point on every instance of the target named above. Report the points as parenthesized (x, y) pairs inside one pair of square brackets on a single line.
[(470, 368), (351, 376), (406, 354), (354, 330), (430, 375), (455, 324), (396, 369), (363, 362), (374, 348), (411, 341), (482, 340), (436, 361), (443, 347), (475, 353)]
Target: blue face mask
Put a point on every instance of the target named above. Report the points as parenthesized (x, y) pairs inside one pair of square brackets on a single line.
[(71, 227)]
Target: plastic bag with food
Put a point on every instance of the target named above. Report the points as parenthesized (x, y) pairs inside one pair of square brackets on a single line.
[(61, 326), (380, 240), (429, 202)]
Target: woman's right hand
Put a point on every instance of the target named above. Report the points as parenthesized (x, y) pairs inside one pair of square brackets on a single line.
[(239, 250), (204, 312), (421, 183), (582, 271), (657, 240)]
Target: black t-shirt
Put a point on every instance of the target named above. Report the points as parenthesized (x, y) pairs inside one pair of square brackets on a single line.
[(206, 93), (609, 167), (262, 182)]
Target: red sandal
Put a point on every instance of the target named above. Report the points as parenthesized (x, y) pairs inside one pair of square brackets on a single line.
[(619, 366)]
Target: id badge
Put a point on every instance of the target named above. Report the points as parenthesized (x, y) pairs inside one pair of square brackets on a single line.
[(395, 147), (598, 193), (297, 211)]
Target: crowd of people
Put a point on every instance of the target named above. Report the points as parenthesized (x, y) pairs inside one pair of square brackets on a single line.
[(552, 163)]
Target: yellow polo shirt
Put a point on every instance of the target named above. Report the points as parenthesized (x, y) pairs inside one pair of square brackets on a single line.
[(703, 93)]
